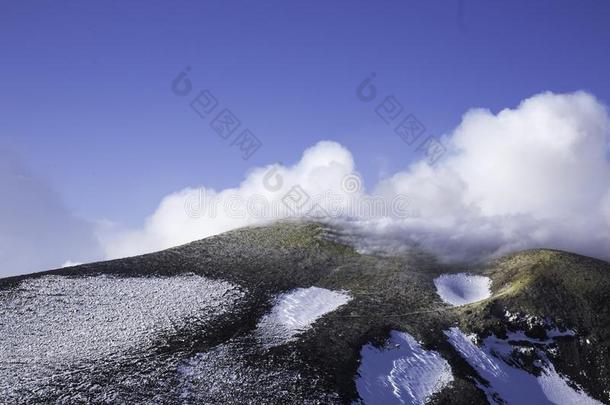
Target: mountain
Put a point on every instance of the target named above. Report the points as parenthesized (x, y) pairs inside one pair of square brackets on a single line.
[(293, 313)]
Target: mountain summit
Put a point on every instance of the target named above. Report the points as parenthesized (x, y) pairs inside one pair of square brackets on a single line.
[(295, 313)]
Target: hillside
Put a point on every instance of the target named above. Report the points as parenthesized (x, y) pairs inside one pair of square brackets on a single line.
[(233, 318)]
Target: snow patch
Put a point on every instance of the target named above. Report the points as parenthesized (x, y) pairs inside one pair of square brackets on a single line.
[(462, 288), (295, 311), (495, 363), (401, 373), (553, 333)]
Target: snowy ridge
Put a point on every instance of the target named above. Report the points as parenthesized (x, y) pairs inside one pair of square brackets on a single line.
[(462, 288), (401, 373), (296, 311), (494, 361)]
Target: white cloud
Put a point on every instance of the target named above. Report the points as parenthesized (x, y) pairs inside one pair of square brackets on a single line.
[(70, 263), (534, 176), (258, 199)]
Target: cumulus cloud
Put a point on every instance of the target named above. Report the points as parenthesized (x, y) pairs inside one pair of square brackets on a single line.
[(37, 232), (533, 176), (263, 196)]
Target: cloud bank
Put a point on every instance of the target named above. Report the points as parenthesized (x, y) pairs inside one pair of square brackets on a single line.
[(534, 176)]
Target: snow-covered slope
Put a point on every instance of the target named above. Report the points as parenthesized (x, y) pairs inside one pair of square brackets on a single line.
[(56, 322), (496, 362)]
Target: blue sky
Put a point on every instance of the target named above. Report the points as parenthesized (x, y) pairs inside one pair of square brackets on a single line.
[(87, 104)]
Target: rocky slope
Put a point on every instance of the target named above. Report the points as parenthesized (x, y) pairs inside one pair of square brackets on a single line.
[(234, 319)]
